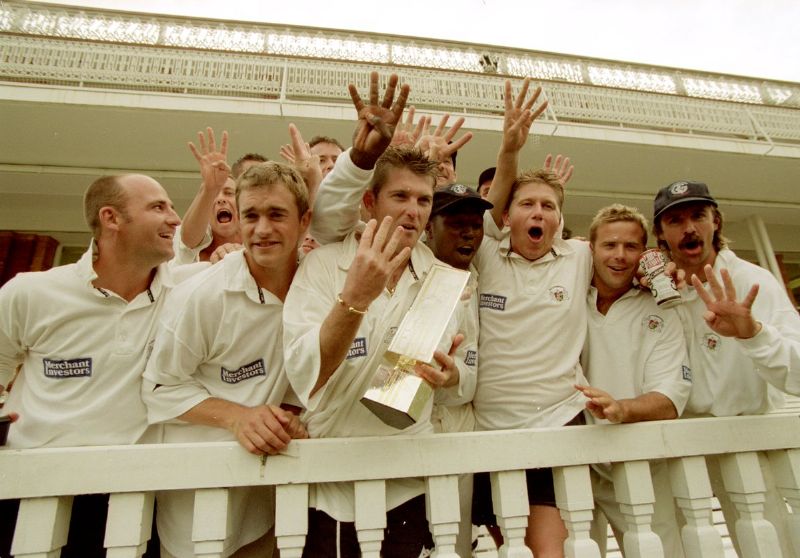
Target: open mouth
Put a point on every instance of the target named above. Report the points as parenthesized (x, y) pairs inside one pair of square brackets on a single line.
[(168, 236), (692, 244), (536, 233), (465, 250), (224, 216)]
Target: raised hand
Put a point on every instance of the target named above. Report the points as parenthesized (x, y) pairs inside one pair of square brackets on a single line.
[(407, 133), (518, 116), (214, 168), (298, 154), (437, 145), (375, 262), (561, 167), (376, 120), (724, 313)]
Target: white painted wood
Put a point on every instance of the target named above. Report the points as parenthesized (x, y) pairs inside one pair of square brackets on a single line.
[(291, 518), (210, 526), (633, 487), (130, 519), (370, 498), (42, 527), (741, 474), (573, 488), (444, 514), (693, 495), (510, 502), (786, 468)]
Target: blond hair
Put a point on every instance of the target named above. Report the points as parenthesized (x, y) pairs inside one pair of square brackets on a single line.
[(539, 176), (615, 213), (270, 173)]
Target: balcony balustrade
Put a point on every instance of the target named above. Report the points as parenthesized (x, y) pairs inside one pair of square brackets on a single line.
[(46, 480)]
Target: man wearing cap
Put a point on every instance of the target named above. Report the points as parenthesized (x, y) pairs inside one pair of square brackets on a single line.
[(645, 378), (743, 336), (454, 234)]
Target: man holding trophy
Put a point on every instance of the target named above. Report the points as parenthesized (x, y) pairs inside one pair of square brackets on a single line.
[(356, 312)]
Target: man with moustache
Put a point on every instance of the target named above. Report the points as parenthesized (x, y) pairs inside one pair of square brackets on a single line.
[(744, 352), (647, 377), (216, 372), (81, 333)]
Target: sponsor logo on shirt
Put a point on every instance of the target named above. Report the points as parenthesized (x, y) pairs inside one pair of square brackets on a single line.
[(251, 370), (686, 373), (471, 358), (653, 323), (559, 294), (358, 348), (711, 342), (493, 302), (67, 368)]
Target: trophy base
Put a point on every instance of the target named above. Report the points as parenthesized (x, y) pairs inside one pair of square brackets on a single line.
[(397, 397)]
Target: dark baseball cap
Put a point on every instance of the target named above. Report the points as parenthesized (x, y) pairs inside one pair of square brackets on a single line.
[(487, 175), (683, 191), (457, 196)]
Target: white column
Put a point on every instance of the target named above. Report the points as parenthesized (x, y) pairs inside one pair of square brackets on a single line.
[(573, 488), (786, 468), (130, 519), (760, 235), (510, 502), (42, 527), (370, 497), (444, 514), (210, 525), (741, 474), (291, 518), (633, 488), (692, 491)]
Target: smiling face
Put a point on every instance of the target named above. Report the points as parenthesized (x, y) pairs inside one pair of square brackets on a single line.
[(271, 226), (147, 224), (688, 229), (454, 238), (224, 218), (533, 216), (406, 197), (616, 249)]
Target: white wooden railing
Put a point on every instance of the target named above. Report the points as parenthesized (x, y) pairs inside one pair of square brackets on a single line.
[(46, 479)]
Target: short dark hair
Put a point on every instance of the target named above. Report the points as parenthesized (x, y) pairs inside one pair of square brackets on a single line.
[(236, 169), (325, 139), (106, 191), (403, 157)]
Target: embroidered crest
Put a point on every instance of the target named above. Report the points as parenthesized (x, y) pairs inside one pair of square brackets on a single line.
[(679, 188), (653, 323), (458, 189), (711, 341), (559, 294)]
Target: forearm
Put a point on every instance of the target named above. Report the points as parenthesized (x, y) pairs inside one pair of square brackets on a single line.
[(648, 406), (214, 412), (335, 339), (197, 218), (776, 357), (506, 174)]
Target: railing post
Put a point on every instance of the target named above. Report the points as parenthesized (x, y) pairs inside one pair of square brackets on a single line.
[(741, 474), (633, 487), (130, 520), (786, 468), (444, 514), (573, 488), (210, 525), (692, 491), (510, 503), (42, 527), (370, 499), (291, 518)]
